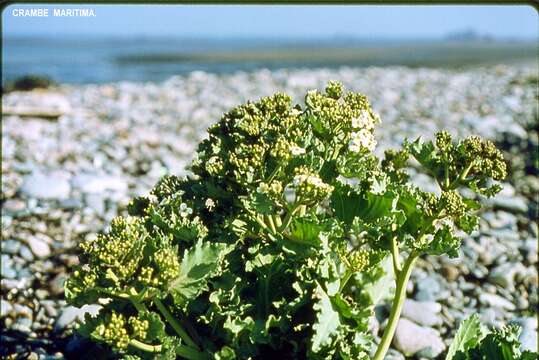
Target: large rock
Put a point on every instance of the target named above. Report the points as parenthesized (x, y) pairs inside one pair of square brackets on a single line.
[(422, 312), (528, 336), (496, 301), (411, 339), (53, 186), (95, 184)]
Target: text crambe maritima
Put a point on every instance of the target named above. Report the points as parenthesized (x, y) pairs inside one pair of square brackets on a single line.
[(45, 12)]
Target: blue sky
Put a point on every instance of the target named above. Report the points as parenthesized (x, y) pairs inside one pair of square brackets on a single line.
[(307, 21)]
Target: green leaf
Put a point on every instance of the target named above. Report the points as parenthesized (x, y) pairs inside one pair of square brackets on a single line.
[(468, 335), (327, 321), (261, 204), (444, 242), (424, 152), (305, 231), (156, 328), (225, 353), (381, 287), (348, 204), (198, 264)]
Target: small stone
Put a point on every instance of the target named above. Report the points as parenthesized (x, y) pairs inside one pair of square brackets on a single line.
[(428, 289), (374, 325), (11, 246), (5, 308), (496, 301), (504, 275), (42, 294), (39, 247), (13, 206), (529, 248), (46, 186), (411, 339), (96, 202), (70, 204), (393, 354), (451, 273), (422, 312), (23, 325), (8, 270), (26, 253), (56, 285)]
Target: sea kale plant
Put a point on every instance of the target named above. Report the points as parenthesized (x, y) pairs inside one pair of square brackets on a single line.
[(282, 241)]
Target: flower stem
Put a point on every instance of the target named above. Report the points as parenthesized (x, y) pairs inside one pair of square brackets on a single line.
[(395, 255), (269, 221), (400, 294), (145, 347), (175, 324), (347, 275)]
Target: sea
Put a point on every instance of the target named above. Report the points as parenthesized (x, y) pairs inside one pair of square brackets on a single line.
[(67, 59)]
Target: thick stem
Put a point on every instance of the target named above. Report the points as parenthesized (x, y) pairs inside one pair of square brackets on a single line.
[(190, 353), (145, 347), (347, 275), (400, 294), (134, 297), (269, 221), (261, 222), (175, 324), (288, 219), (278, 221), (395, 255)]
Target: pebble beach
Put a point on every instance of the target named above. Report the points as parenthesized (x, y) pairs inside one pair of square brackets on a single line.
[(74, 155)]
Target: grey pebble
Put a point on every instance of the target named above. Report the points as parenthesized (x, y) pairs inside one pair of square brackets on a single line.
[(46, 186), (10, 246), (422, 312), (411, 339), (39, 247), (496, 301), (5, 308)]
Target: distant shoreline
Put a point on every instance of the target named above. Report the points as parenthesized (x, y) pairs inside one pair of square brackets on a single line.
[(93, 61)]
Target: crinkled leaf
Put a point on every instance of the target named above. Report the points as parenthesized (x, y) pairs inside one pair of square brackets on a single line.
[(469, 334), (444, 242), (327, 321), (198, 264), (305, 231), (348, 204), (261, 204), (380, 288), (156, 327)]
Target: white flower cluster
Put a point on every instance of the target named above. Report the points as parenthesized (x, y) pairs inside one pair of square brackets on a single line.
[(296, 150), (210, 204), (362, 139), (308, 179), (311, 186), (185, 210), (312, 180), (363, 121)]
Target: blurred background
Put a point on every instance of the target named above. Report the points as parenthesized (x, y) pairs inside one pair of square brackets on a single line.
[(96, 109), (151, 42)]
